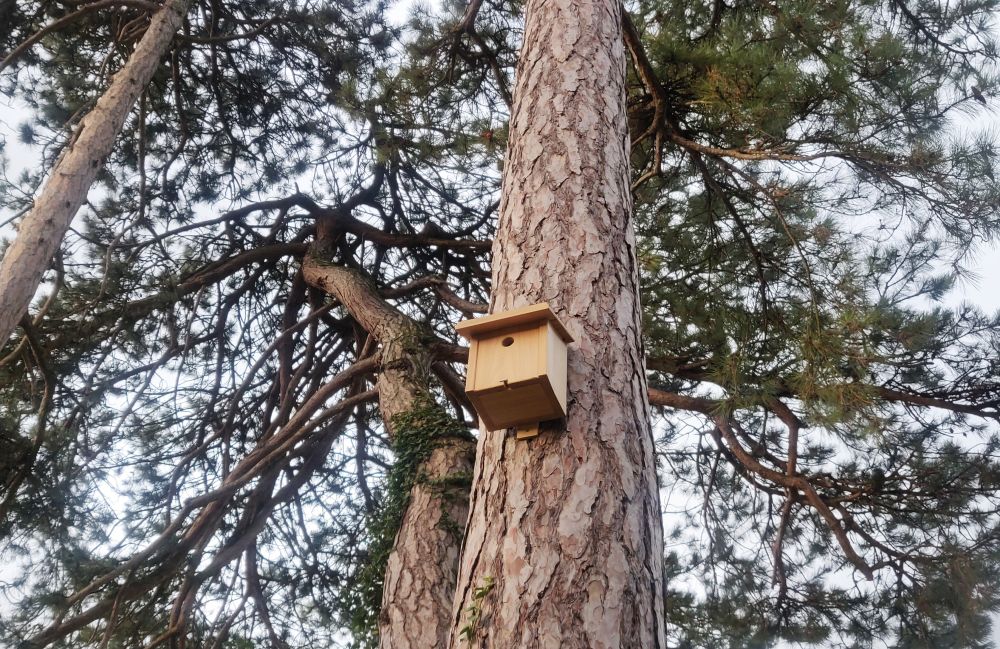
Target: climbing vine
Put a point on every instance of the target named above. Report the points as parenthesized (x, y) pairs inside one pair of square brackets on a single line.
[(418, 432), (475, 609)]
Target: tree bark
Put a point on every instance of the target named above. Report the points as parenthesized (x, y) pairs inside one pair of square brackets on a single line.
[(420, 574), (43, 228), (564, 542)]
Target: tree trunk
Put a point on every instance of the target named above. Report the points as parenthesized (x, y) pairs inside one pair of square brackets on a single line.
[(564, 542), (42, 230), (419, 578)]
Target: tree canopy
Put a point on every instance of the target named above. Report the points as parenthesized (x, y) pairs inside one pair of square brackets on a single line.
[(189, 440)]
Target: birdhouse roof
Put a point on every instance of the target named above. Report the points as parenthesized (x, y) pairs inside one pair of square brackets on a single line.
[(479, 327)]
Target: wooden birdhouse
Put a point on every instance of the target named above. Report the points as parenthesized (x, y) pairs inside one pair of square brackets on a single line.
[(517, 367)]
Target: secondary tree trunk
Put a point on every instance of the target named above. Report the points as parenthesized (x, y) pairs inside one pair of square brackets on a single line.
[(564, 542), (419, 582), (42, 230)]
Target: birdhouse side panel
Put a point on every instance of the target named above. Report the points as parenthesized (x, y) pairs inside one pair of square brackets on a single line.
[(556, 367), (471, 368)]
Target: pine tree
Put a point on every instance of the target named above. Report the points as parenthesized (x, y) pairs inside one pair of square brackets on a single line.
[(191, 447), (562, 546), (41, 230)]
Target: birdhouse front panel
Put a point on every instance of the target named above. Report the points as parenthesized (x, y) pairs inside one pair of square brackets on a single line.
[(509, 356), (517, 366)]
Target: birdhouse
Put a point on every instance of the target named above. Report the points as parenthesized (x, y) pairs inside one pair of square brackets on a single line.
[(517, 367)]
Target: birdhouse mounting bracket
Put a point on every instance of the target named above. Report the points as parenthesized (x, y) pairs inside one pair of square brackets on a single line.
[(526, 431)]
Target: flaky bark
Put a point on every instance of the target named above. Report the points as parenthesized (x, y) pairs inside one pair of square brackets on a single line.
[(423, 565), (564, 542), (43, 228)]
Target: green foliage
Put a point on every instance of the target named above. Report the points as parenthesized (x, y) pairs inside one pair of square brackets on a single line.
[(808, 254), (474, 611)]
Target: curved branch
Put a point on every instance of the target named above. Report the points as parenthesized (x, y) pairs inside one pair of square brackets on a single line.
[(70, 18), (800, 484)]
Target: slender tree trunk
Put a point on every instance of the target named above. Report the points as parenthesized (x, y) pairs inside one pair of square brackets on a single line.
[(42, 230), (420, 574), (564, 542)]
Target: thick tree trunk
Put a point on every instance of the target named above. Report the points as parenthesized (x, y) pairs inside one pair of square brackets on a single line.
[(420, 574), (423, 566), (564, 542), (42, 230)]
